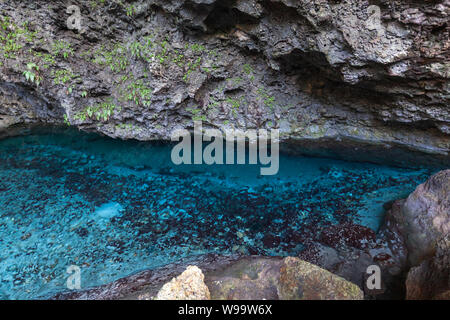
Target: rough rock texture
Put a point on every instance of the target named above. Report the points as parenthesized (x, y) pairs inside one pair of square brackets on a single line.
[(249, 278), (422, 220), (348, 250), (146, 284), (334, 75), (417, 230), (300, 280), (274, 278), (233, 277), (431, 279), (426, 214), (187, 286)]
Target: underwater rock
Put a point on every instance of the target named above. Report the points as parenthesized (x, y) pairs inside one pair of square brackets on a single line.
[(187, 286), (349, 234)]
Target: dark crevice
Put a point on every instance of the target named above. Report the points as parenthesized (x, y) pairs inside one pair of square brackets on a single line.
[(421, 125), (224, 18)]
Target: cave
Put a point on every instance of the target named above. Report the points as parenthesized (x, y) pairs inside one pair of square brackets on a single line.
[(102, 195)]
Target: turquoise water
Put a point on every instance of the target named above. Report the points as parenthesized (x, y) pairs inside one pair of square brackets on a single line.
[(115, 207)]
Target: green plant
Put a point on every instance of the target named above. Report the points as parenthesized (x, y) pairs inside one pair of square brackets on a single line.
[(31, 74), (137, 49), (63, 48), (139, 93), (125, 126), (235, 104), (13, 38), (248, 70), (191, 67), (66, 120), (196, 114), (102, 111), (163, 55), (213, 103), (199, 118), (237, 80), (116, 58), (197, 47), (62, 76), (46, 58), (130, 10), (268, 100), (95, 3)]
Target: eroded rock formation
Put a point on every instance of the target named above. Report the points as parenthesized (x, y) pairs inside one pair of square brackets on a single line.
[(331, 75), (418, 231), (431, 279)]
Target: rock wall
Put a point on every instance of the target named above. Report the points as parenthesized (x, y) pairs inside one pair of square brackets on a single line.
[(418, 231), (339, 75)]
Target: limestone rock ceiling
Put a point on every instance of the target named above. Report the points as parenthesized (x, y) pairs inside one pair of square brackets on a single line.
[(349, 71)]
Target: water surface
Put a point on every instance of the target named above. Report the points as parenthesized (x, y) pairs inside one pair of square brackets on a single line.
[(116, 207)]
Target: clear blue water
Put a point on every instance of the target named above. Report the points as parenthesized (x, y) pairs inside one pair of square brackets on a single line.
[(117, 207)]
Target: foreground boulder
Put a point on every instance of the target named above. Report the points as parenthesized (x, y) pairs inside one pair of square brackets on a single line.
[(187, 286), (300, 280), (431, 279), (275, 278), (225, 277)]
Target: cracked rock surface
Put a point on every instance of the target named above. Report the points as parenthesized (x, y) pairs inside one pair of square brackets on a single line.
[(339, 75)]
